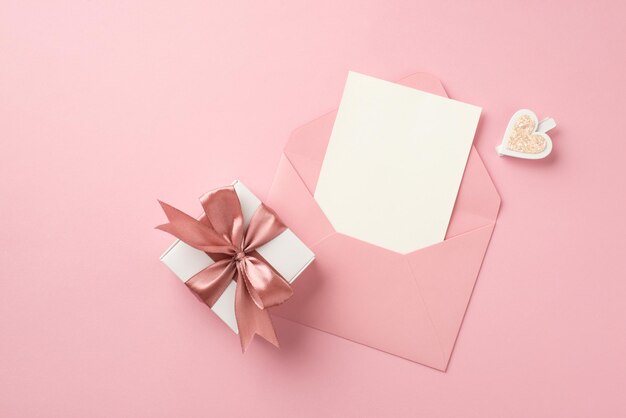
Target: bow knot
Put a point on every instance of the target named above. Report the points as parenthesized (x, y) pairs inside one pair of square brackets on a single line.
[(220, 233), (239, 256)]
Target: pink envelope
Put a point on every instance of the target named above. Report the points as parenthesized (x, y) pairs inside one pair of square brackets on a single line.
[(408, 305)]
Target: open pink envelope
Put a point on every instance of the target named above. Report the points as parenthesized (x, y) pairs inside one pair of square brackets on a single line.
[(408, 305)]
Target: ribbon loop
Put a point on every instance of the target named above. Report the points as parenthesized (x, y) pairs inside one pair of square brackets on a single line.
[(264, 227), (259, 286)]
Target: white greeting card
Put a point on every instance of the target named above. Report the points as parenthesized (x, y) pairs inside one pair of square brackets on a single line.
[(394, 163)]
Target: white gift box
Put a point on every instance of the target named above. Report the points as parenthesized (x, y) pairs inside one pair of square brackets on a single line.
[(286, 253)]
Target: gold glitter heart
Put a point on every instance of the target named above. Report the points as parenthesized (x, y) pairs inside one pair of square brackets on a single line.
[(523, 137)]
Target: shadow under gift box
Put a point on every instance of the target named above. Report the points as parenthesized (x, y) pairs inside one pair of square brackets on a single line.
[(286, 253)]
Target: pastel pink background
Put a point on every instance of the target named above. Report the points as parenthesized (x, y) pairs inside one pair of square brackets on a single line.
[(107, 106)]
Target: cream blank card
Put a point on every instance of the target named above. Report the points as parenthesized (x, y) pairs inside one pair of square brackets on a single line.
[(394, 163)]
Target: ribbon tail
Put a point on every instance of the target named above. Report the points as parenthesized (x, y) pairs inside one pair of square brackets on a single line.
[(251, 319), (266, 287)]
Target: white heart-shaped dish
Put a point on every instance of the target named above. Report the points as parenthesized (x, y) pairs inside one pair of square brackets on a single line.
[(525, 136)]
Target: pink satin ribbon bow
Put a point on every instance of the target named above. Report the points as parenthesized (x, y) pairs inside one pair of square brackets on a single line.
[(221, 234)]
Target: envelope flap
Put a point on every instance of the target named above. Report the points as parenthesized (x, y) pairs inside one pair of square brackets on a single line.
[(477, 203), (446, 274), (307, 146), (289, 197), (306, 140)]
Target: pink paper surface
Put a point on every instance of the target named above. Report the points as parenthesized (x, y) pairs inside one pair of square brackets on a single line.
[(107, 106)]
